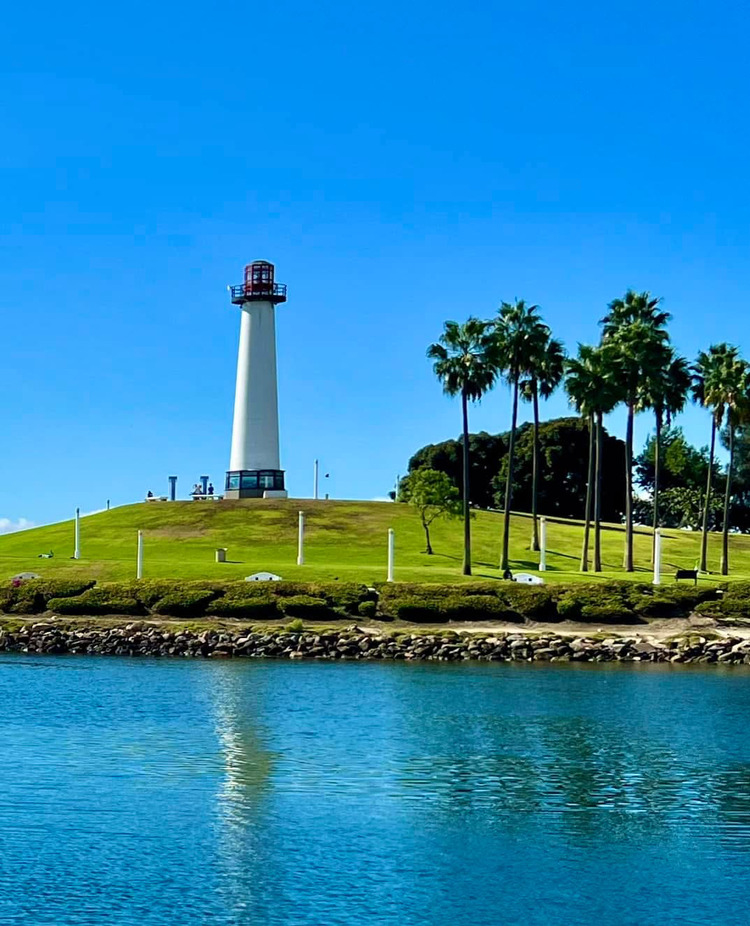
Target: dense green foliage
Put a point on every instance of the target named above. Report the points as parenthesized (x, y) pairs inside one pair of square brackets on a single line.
[(610, 602), (563, 450), (486, 453)]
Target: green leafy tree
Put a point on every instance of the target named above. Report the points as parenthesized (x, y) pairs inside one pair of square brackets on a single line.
[(466, 363), (681, 506), (486, 453), (740, 513), (433, 495), (561, 484), (634, 341), (544, 375), (519, 332), (681, 464)]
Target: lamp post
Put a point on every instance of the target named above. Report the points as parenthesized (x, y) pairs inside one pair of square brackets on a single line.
[(139, 557), (542, 544), (657, 557), (301, 539)]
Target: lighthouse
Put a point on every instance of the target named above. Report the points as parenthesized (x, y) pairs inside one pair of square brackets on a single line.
[(254, 470)]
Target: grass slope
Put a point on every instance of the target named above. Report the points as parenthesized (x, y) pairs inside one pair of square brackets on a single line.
[(344, 539)]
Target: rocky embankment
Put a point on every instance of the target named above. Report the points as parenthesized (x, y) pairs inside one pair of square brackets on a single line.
[(139, 639)]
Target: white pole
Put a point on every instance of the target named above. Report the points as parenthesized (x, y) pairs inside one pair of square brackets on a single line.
[(139, 560), (542, 544), (77, 551), (657, 557), (301, 540), (390, 553), (315, 480)]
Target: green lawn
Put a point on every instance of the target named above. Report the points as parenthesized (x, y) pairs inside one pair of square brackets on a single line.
[(345, 540)]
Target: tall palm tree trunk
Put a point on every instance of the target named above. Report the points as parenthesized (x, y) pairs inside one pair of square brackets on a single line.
[(467, 518), (598, 494), (628, 559), (589, 500), (707, 500), (657, 464), (727, 499), (509, 479), (534, 474)]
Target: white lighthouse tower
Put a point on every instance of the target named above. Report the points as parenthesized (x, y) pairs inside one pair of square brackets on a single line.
[(254, 470)]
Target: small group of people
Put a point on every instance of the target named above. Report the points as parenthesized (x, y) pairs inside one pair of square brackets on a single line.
[(198, 489)]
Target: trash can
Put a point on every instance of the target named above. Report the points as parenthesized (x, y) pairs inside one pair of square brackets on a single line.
[(221, 555)]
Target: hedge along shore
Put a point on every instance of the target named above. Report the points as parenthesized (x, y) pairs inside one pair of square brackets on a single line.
[(354, 643), (153, 618), (596, 603)]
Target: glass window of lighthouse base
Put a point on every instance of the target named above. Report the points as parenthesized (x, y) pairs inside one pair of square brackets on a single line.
[(263, 479)]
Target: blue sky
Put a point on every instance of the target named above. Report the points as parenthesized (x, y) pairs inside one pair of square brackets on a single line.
[(400, 163)]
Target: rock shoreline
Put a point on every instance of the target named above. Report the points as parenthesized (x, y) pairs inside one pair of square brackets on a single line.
[(136, 639)]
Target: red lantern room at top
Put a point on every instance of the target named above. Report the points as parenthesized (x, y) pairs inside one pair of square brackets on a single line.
[(259, 285)]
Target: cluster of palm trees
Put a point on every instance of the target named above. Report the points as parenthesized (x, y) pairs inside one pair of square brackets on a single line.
[(634, 364)]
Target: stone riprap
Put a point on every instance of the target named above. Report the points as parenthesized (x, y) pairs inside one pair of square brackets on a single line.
[(138, 639)]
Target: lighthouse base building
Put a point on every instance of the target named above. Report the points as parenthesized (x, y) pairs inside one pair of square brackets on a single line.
[(254, 469)]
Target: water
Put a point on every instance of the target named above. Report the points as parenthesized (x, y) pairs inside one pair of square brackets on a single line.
[(153, 792)]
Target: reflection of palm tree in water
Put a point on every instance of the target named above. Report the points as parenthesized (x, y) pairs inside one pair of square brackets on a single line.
[(240, 806), (583, 776)]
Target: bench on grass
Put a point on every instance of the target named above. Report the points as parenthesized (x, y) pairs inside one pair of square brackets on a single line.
[(686, 574)]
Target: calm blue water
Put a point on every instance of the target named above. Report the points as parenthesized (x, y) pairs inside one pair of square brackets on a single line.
[(153, 792)]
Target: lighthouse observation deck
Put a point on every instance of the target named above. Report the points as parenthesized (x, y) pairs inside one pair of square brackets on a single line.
[(259, 285)]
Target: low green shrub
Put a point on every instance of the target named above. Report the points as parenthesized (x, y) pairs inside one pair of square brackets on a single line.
[(261, 609), (478, 608), (670, 601), (727, 607), (305, 606), (33, 596), (608, 614), (739, 590), (367, 608), (709, 608), (295, 626), (345, 596), (536, 604), (735, 606), (388, 591), (596, 603), (421, 611), (242, 591), (185, 602), (149, 591), (97, 601)]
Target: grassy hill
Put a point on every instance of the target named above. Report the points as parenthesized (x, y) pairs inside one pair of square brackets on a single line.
[(344, 539)]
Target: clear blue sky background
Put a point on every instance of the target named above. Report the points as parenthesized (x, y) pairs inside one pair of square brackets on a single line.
[(402, 163)]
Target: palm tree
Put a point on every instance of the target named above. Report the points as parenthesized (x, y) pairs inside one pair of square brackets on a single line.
[(635, 341), (518, 332), (665, 391), (465, 361), (545, 373), (737, 402), (708, 391), (591, 393)]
